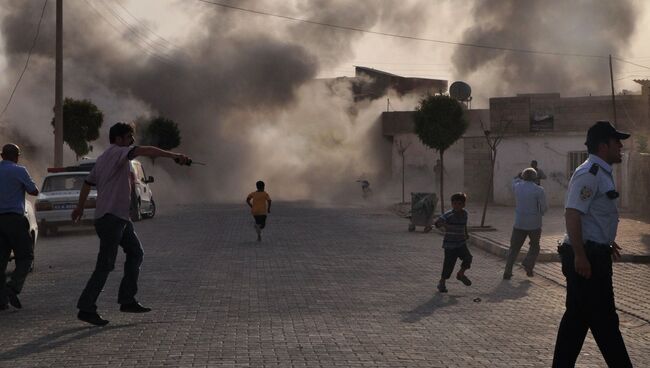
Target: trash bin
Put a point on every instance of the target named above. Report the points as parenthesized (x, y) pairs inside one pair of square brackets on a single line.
[(423, 206)]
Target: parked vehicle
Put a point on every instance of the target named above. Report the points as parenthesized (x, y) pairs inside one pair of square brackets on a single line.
[(59, 196), (142, 202)]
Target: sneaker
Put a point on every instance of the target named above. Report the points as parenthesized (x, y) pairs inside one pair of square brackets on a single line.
[(507, 276), (464, 279), (4, 307), (134, 307), (92, 318), (442, 288), (13, 298)]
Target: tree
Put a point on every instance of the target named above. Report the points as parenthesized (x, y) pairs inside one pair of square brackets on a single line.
[(401, 150), (439, 122), (160, 132), (493, 141), (81, 122)]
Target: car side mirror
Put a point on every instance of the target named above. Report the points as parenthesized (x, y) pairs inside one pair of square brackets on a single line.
[(150, 180)]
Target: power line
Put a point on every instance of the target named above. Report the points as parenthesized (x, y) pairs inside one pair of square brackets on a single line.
[(629, 62), (159, 40), (336, 26), (29, 55), (147, 50)]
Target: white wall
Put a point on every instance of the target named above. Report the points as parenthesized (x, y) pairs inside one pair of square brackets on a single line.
[(552, 155), (419, 162)]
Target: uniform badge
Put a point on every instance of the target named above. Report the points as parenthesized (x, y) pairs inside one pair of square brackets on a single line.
[(585, 193)]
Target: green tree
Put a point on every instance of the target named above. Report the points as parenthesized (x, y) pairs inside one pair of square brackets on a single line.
[(81, 122), (160, 132), (439, 122)]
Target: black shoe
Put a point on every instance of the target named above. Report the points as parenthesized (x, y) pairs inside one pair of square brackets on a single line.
[(13, 298), (134, 307), (529, 271), (442, 288), (464, 279), (4, 307), (507, 276), (92, 318)]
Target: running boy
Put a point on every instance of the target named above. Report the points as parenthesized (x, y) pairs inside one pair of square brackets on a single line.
[(260, 207), (455, 242)]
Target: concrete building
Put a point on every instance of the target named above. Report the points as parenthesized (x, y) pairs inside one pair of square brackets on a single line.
[(548, 128)]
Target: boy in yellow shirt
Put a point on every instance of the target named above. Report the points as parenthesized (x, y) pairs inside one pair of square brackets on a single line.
[(260, 204)]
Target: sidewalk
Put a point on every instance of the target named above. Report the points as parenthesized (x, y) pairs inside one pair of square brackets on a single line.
[(633, 233)]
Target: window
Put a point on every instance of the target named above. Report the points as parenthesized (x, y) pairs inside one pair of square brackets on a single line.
[(576, 158)]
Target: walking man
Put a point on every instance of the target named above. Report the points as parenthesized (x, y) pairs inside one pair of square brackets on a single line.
[(14, 226), (540, 174), (591, 220), (530, 206), (111, 176)]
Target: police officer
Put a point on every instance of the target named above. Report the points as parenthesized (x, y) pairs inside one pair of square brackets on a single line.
[(587, 251), (14, 226)]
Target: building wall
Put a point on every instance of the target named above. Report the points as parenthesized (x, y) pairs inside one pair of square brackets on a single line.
[(639, 179), (552, 154), (419, 161)]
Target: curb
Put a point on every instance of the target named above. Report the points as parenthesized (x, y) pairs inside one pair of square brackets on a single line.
[(501, 251)]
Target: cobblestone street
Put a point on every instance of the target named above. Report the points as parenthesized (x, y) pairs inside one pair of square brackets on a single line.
[(348, 287)]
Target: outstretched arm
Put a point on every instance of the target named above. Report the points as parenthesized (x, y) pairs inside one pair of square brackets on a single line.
[(151, 151)]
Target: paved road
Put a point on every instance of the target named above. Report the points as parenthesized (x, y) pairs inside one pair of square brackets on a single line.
[(327, 287)]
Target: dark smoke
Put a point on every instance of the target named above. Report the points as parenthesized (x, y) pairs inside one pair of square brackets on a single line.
[(581, 26), (237, 72)]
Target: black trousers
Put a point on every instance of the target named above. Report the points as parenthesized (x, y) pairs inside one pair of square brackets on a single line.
[(260, 220), (14, 235), (451, 255), (589, 305), (113, 232)]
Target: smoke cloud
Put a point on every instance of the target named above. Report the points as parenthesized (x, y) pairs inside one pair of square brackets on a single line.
[(577, 27), (240, 86)]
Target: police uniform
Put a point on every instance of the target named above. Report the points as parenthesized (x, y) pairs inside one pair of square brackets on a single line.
[(590, 302)]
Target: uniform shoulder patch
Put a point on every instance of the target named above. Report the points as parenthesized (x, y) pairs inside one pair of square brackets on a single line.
[(586, 193), (593, 170)]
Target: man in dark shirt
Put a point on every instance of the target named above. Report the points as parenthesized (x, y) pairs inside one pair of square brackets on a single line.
[(14, 226)]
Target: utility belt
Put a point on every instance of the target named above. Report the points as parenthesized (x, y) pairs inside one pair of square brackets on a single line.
[(592, 249)]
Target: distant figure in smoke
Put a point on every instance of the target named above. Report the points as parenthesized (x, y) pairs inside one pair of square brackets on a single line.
[(540, 173), (365, 188), (260, 204), (111, 176), (14, 226)]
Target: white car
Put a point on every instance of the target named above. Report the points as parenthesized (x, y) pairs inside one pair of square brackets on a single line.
[(58, 197)]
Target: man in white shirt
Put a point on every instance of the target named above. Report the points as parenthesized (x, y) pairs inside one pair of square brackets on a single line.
[(530, 206)]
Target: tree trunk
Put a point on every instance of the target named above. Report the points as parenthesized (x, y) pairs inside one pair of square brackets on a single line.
[(442, 182), (403, 178), (490, 185)]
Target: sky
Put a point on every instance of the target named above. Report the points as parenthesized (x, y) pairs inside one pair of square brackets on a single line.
[(244, 87)]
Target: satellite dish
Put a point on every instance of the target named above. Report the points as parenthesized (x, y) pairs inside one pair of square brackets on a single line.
[(461, 91)]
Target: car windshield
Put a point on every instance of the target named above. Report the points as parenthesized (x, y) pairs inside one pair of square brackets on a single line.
[(63, 182)]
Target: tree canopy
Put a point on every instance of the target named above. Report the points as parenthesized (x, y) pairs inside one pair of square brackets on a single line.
[(162, 133), (439, 122), (81, 122)]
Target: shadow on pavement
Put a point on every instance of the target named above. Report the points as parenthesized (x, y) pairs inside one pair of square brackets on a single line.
[(426, 309), (505, 290), (58, 339)]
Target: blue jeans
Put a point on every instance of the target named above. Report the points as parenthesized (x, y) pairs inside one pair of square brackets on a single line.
[(113, 232)]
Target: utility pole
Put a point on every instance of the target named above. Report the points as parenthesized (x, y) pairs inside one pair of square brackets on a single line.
[(58, 88), (611, 78)]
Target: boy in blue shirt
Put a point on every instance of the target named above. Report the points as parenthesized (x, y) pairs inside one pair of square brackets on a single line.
[(454, 222)]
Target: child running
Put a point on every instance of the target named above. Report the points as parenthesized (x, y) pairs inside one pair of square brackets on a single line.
[(260, 204), (454, 223)]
